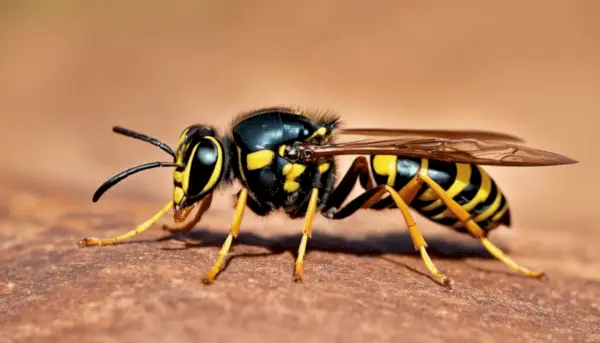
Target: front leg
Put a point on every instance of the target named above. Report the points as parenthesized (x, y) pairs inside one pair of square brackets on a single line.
[(233, 233), (204, 206)]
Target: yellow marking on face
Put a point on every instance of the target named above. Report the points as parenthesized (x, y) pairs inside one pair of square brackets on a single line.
[(177, 176), (179, 158), (214, 177), (385, 165), (291, 186), (490, 210), (282, 150), (178, 195), (182, 136), (324, 167), (259, 159), (240, 165), (500, 213), (185, 183), (463, 176)]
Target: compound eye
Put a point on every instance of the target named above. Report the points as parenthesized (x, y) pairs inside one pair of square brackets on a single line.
[(204, 168)]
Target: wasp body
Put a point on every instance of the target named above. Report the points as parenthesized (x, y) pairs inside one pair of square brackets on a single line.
[(263, 141), (284, 159)]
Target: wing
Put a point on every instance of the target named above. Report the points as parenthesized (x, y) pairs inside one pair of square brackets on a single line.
[(469, 151), (447, 134)]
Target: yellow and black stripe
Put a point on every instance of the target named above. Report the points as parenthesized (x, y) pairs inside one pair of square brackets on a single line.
[(469, 185)]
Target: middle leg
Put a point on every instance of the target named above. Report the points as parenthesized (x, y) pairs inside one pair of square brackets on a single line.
[(306, 233), (359, 170)]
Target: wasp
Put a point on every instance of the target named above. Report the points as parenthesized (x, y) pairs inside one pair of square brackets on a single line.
[(284, 159)]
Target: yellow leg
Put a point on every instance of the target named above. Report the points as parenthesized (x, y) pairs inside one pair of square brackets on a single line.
[(89, 241), (233, 233), (417, 238), (474, 229), (204, 206), (306, 233), (407, 193)]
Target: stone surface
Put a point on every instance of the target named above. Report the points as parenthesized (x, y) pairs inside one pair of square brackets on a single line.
[(355, 289)]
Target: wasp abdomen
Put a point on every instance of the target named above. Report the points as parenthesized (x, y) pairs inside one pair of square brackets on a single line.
[(469, 185)]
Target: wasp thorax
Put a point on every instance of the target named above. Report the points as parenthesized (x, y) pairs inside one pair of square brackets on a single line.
[(200, 165)]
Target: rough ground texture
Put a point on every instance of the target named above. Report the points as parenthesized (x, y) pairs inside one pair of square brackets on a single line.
[(69, 72)]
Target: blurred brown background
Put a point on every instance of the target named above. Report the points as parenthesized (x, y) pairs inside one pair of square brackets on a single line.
[(70, 70)]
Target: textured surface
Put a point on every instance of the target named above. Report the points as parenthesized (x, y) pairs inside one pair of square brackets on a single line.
[(68, 73), (367, 287)]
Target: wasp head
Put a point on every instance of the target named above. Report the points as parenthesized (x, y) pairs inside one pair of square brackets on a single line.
[(200, 166)]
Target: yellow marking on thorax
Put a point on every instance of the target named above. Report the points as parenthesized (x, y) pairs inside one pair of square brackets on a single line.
[(217, 171), (281, 150), (324, 167), (185, 182), (259, 159), (291, 171), (463, 175), (386, 165), (320, 132), (490, 210)]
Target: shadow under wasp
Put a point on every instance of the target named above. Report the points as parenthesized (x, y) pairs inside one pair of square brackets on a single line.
[(284, 159)]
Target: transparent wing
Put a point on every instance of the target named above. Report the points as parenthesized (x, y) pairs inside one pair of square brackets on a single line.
[(446, 134), (469, 151)]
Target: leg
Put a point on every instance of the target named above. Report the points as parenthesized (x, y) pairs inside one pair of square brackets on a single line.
[(233, 233), (368, 200), (306, 233), (370, 197), (356, 204), (143, 227), (474, 229), (358, 170), (204, 206)]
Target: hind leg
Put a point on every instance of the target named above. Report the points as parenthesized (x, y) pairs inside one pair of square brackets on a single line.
[(474, 229), (372, 196)]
